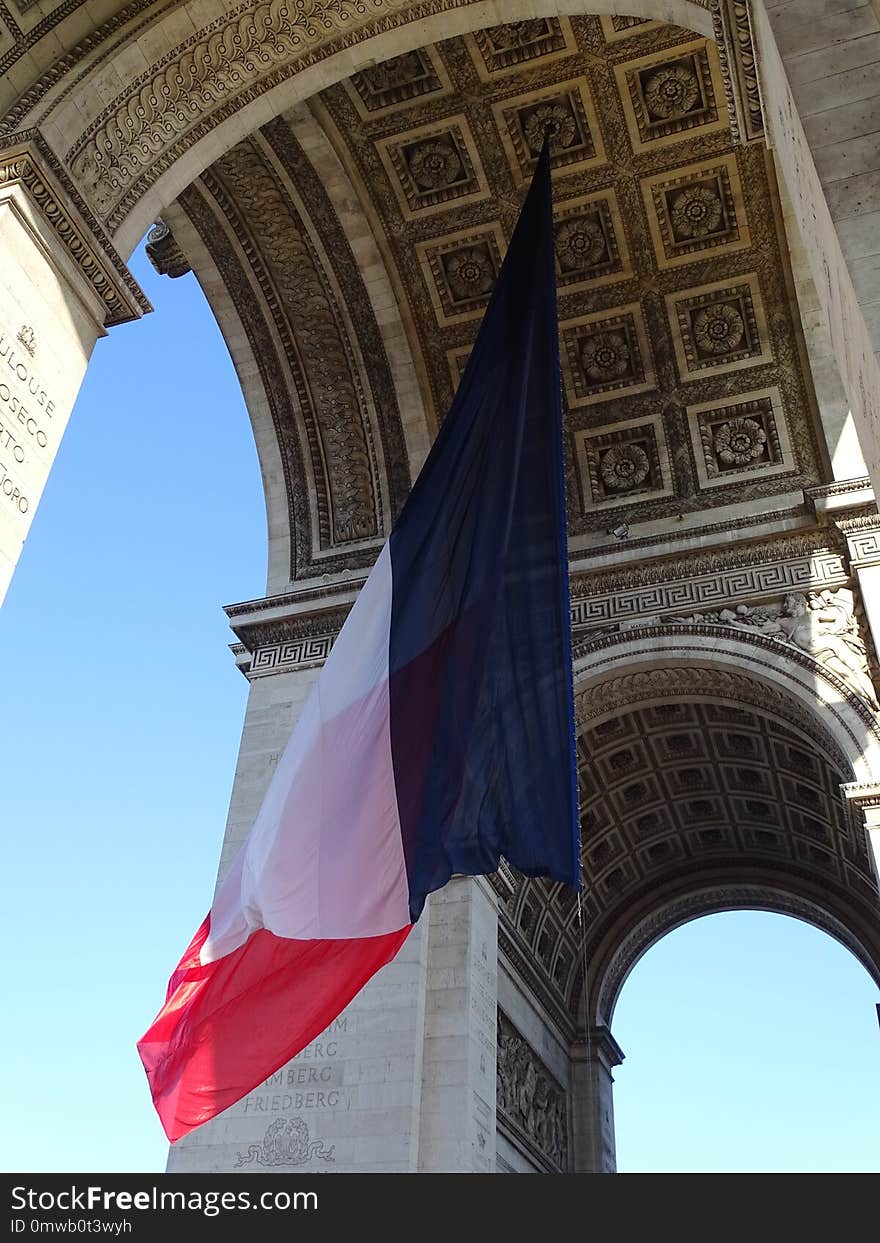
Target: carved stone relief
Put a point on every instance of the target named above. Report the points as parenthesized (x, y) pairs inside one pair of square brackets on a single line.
[(530, 1101), (721, 327), (823, 624)]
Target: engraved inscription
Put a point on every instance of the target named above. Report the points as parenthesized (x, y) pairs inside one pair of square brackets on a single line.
[(26, 411)]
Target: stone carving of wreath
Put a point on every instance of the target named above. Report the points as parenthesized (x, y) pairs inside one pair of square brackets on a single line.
[(580, 243), (286, 1142), (553, 118), (605, 356), (739, 442), (517, 34), (671, 91), (696, 212), (470, 273), (624, 466), (434, 164), (718, 329)]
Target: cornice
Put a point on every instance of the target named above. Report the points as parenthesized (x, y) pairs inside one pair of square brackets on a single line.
[(28, 163)]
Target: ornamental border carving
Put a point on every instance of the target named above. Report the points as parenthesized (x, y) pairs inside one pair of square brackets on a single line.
[(764, 579), (30, 164), (598, 601), (303, 653), (731, 21), (299, 298), (785, 653), (594, 700)]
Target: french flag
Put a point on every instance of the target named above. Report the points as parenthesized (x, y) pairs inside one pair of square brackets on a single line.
[(438, 737)]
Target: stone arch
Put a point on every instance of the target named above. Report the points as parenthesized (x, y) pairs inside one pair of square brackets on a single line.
[(133, 136), (711, 900), (291, 268), (613, 670), (167, 124), (666, 664), (147, 101), (684, 863)]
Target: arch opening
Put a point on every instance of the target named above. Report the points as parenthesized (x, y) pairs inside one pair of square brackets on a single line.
[(730, 1064)]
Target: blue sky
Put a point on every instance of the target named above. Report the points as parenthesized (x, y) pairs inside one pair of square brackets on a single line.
[(751, 1040)]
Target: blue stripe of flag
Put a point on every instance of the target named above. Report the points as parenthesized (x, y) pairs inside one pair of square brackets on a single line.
[(482, 713)]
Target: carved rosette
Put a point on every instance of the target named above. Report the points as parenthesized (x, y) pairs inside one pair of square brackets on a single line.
[(739, 442), (580, 244), (696, 212), (606, 356), (624, 466), (470, 272), (433, 165), (718, 329), (554, 120), (671, 91)]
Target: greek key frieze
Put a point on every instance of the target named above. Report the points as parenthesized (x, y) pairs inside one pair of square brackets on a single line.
[(285, 657), (822, 569)]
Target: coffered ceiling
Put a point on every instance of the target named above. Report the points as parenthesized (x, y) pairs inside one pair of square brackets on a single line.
[(684, 378)]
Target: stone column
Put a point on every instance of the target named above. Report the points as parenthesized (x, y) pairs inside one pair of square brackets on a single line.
[(62, 285), (865, 800), (863, 548), (458, 1069), (592, 1062), (850, 339)]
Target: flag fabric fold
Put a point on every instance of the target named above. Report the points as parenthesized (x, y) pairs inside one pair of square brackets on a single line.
[(438, 738)]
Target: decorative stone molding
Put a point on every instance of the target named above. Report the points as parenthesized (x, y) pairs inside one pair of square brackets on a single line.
[(852, 491), (164, 253), (862, 539), (80, 54), (519, 954), (286, 657), (286, 639), (598, 602), (249, 50), (532, 1105), (736, 52), (312, 345), (862, 796), (821, 623), (332, 389), (614, 691), (600, 1046), (29, 164), (656, 591)]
